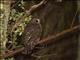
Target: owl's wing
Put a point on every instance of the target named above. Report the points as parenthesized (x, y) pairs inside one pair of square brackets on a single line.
[(31, 36), (32, 32)]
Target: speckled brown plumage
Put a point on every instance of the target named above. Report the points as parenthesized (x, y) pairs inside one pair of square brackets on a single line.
[(31, 35)]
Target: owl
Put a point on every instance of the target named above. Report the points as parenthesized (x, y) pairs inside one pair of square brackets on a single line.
[(31, 35)]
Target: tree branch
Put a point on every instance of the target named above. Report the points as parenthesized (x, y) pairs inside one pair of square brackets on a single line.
[(28, 13), (49, 39), (12, 53), (60, 35), (35, 7)]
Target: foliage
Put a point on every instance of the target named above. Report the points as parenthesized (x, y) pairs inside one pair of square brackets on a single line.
[(17, 9), (13, 37), (18, 32)]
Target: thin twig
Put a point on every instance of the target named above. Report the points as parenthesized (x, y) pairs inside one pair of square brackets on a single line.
[(15, 4), (74, 18), (49, 39)]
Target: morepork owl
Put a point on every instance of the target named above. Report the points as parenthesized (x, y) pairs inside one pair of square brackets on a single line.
[(31, 35)]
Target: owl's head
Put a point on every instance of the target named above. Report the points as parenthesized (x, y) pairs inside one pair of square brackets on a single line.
[(35, 20)]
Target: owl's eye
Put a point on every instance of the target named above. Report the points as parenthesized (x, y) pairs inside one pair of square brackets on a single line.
[(37, 21)]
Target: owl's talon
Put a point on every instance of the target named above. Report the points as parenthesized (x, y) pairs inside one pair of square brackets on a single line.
[(27, 50), (24, 52)]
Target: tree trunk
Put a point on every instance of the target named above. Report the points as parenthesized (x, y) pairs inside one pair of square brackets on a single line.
[(78, 2), (5, 10)]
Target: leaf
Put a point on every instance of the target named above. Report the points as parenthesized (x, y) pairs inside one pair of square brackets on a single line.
[(20, 33)]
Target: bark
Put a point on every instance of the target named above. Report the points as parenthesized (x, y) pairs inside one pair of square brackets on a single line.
[(3, 24), (78, 2)]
